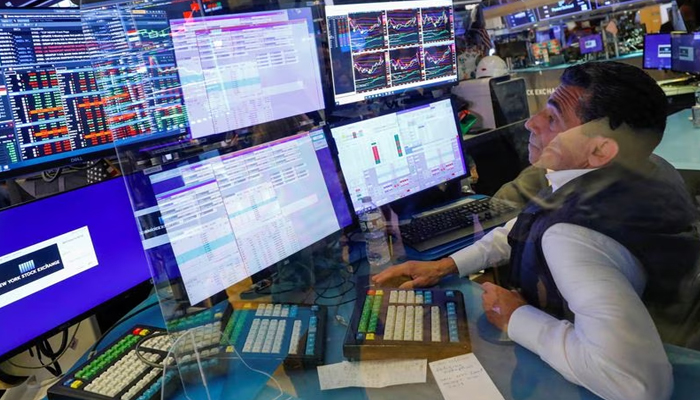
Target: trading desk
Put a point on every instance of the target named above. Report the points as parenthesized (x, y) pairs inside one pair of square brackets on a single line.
[(517, 373)]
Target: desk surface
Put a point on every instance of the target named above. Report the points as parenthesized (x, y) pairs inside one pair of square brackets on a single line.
[(518, 373), (681, 143)]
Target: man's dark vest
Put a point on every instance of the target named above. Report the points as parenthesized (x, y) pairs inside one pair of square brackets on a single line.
[(648, 217)]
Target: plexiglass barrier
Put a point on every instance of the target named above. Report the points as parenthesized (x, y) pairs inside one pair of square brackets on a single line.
[(233, 184)]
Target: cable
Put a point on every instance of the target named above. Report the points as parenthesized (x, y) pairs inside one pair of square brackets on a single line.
[(141, 357), (42, 366), (50, 176), (93, 348), (272, 378)]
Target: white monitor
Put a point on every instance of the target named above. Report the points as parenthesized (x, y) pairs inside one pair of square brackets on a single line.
[(400, 154)]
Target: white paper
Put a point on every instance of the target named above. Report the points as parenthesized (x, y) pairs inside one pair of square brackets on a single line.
[(372, 374), (461, 375)]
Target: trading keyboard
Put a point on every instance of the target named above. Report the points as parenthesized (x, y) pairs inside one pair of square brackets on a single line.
[(408, 323), (118, 373), (291, 333), (294, 333), (435, 228)]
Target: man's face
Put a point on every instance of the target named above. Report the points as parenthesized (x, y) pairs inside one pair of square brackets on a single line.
[(558, 116)]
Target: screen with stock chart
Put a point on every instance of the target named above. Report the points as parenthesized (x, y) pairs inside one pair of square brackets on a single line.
[(380, 49)]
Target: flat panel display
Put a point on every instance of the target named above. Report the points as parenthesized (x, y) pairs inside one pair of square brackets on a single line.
[(521, 18), (246, 69), (657, 51), (563, 7), (73, 252), (381, 49), (228, 217), (51, 108), (399, 154), (591, 44), (685, 52)]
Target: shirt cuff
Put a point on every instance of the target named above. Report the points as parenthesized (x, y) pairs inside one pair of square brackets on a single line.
[(469, 260), (526, 324)]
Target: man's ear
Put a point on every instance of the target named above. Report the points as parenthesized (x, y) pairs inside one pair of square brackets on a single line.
[(604, 150)]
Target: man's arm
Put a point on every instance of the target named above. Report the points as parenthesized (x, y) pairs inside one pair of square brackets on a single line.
[(613, 348), (490, 250)]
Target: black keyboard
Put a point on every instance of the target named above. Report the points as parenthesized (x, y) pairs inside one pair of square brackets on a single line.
[(433, 229)]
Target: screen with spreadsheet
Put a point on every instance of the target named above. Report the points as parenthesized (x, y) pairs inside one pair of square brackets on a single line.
[(246, 69), (50, 104), (134, 61), (56, 105), (399, 154), (381, 49), (230, 216)]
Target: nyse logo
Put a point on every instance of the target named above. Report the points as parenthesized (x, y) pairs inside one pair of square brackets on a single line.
[(26, 266)]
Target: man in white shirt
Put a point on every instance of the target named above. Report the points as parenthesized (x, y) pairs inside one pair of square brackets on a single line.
[(591, 249)]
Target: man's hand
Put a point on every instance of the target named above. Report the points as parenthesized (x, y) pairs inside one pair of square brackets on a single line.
[(499, 304), (419, 273)]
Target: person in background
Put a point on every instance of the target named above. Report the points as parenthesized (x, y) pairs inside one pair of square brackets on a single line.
[(588, 255)]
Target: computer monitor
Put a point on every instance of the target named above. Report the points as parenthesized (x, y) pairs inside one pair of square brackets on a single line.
[(521, 18), (563, 7), (57, 104), (381, 49), (246, 69), (591, 43), (685, 52), (63, 256), (517, 48), (657, 51), (50, 106), (399, 154), (255, 207)]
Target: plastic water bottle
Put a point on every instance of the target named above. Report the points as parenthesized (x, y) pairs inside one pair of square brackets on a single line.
[(373, 226)]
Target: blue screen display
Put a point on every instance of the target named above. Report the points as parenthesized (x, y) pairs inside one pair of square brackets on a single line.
[(685, 52), (74, 251), (657, 51)]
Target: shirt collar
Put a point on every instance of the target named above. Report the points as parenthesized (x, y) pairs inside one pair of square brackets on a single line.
[(560, 178)]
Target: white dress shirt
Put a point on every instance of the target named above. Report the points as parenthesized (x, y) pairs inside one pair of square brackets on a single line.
[(613, 349)]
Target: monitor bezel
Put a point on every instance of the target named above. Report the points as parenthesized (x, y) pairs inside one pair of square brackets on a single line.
[(420, 103), (79, 317), (644, 51), (673, 64)]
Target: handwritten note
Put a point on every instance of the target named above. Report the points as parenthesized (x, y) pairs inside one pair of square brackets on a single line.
[(463, 376), (374, 374)]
